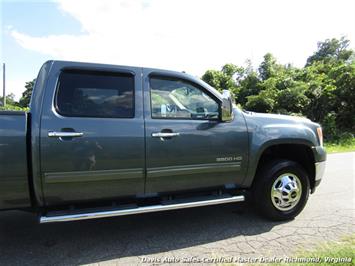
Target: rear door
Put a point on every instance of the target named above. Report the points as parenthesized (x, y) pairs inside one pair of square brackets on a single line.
[(92, 134), (188, 147)]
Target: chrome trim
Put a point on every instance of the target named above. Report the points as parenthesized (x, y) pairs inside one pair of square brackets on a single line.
[(53, 134), (286, 192), (165, 135), (93, 175), (147, 209), (227, 114), (193, 169), (319, 170)]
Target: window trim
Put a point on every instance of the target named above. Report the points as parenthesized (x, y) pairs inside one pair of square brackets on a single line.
[(198, 86), (95, 72)]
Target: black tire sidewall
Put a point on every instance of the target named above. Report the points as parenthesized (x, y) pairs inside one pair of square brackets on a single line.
[(265, 181)]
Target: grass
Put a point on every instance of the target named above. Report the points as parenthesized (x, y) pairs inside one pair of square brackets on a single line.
[(10, 107), (330, 253), (339, 252), (347, 146)]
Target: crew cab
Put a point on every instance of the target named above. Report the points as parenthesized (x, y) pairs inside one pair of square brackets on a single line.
[(107, 140)]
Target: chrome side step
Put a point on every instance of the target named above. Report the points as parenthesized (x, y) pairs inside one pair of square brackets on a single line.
[(145, 209)]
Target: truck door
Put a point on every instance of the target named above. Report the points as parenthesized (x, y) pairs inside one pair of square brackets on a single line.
[(92, 133), (187, 146)]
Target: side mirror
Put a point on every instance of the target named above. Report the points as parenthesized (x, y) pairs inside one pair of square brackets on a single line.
[(227, 106)]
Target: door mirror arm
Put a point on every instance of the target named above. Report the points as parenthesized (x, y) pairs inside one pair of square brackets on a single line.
[(227, 106)]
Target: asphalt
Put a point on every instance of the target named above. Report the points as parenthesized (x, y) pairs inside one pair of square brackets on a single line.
[(232, 230)]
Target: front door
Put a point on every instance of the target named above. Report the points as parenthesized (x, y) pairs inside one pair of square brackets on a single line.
[(187, 146), (92, 134)]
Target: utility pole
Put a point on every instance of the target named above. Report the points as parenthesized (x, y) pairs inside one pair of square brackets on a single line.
[(3, 85)]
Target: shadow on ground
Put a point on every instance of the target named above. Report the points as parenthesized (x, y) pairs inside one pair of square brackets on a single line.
[(23, 241)]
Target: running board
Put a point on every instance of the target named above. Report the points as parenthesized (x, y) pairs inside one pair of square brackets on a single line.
[(137, 210)]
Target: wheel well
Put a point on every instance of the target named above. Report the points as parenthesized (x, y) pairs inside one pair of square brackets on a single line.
[(299, 153)]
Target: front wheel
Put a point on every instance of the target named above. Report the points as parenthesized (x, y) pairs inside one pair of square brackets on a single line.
[(281, 190)]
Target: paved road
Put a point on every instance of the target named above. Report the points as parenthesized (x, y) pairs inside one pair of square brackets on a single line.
[(230, 230)]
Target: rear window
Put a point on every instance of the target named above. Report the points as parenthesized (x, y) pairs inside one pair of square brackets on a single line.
[(95, 94)]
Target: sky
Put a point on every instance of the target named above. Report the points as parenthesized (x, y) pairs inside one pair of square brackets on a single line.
[(182, 35)]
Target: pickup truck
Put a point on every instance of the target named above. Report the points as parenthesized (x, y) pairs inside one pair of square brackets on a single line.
[(107, 140)]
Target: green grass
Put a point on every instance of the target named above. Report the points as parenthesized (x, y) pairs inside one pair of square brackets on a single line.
[(339, 252), (10, 107), (347, 146), (330, 253)]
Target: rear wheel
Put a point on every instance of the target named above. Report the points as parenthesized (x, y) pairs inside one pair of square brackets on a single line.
[(281, 189)]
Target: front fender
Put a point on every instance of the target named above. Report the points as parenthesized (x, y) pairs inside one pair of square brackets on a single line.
[(264, 135)]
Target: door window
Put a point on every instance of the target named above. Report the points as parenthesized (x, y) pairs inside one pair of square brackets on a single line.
[(95, 94), (180, 99)]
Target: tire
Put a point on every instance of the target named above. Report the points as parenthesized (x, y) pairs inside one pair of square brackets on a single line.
[(281, 190)]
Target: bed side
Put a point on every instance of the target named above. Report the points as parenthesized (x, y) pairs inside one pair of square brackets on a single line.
[(14, 189)]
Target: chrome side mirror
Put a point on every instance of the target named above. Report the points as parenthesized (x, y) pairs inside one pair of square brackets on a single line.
[(227, 106)]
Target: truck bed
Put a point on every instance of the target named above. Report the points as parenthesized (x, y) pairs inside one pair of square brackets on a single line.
[(14, 187)]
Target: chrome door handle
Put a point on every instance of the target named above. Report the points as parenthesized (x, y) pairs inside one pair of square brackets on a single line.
[(53, 134), (165, 135)]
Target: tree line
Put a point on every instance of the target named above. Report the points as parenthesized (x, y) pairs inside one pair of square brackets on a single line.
[(322, 90), (23, 103)]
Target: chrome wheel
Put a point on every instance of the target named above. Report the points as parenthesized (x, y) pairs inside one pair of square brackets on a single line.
[(286, 192)]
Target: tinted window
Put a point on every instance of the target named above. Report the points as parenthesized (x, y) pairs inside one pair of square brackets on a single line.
[(95, 94), (174, 98)]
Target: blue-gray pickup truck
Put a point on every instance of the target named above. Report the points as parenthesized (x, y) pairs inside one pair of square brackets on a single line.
[(106, 140)]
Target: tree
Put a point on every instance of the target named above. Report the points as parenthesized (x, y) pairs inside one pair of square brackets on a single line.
[(230, 70), (329, 50), (225, 79), (10, 100), (330, 71), (214, 78), (269, 67), (26, 95), (323, 90), (344, 82), (250, 85), (292, 100), (264, 102)]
